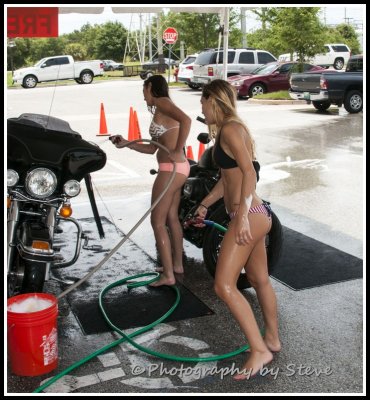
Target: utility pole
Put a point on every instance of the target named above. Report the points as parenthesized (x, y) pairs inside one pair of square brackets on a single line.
[(162, 67), (243, 27)]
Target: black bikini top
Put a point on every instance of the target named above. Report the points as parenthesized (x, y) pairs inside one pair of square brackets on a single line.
[(224, 161)]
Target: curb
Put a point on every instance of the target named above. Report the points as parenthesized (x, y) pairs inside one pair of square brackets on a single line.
[(275, 102)]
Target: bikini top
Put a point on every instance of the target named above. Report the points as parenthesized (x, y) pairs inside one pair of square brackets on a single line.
[(223, 160), (157, 130)]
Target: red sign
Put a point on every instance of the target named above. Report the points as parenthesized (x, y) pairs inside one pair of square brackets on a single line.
[(170, 35), (32, 21)]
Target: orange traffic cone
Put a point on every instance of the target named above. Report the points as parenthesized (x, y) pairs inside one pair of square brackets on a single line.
[(137, 132), (131, 126), (189, 153), (103, 131), (201, 150)]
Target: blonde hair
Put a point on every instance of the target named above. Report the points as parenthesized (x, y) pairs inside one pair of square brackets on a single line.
[(223, 102)]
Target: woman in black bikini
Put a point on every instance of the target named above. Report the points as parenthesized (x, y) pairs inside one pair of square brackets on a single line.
[(170, 126), (244, 243)]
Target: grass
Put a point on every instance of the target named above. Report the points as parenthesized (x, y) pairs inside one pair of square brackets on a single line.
[(109, 75), (280, 95)]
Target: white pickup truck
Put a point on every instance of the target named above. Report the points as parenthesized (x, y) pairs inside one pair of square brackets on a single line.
[(58, 68), (336, 55)]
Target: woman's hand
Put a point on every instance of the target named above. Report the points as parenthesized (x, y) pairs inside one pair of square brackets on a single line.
[(200, 214), (177, 156), (243, 234), (119, 141)]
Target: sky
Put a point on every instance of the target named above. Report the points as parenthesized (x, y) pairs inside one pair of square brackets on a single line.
[(332, 14)]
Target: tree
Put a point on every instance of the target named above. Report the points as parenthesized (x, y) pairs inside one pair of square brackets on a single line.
[(110, 41), (299, 30)]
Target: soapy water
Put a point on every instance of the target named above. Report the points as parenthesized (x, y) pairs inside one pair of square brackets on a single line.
[(29, 305)]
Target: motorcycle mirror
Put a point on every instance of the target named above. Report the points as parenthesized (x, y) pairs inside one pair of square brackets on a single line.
[(204, 138)]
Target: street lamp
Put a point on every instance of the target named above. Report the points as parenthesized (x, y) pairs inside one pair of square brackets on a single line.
[(11, 44)]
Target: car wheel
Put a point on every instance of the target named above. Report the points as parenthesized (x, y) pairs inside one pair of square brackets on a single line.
[(353, 101), (111, 68), (193, 86), (86, 77), (29, 82), (78, 80), (256, 89), (321, 105), (338, 64)]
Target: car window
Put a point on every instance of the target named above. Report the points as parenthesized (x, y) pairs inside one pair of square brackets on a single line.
[(285, 68), (230, 57), (355, 65), (189, 60), (340, 48), (204, 58), (62, 60), (246, 57), (50, 62), (264, 58)]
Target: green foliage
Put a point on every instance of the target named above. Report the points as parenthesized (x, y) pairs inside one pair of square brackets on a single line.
[(284, 30), (110, 41), (346, 34)]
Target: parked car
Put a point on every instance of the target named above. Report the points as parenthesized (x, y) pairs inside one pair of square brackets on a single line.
[(58, 68), (167, 62), (185, 73), (336, 55), (209, 64), (110, 65), (271, 77), (329, 87)]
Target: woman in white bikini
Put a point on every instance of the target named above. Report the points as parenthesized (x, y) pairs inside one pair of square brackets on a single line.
[(243, 246), (170, 126)]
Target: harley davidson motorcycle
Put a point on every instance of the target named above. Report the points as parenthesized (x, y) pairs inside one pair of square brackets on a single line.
[(45, 164), (203, 177)]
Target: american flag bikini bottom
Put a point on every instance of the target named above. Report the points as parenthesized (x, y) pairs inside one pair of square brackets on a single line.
[(263, 208)]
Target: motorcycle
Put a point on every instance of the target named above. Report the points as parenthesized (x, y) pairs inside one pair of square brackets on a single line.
[(202, 178), (45, 164)]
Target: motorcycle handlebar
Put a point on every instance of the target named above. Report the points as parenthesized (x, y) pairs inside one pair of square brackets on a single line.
[(202, 120)]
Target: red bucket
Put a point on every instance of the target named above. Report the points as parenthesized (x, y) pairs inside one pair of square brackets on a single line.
[(32, 334)]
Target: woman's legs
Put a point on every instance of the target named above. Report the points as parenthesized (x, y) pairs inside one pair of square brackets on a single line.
[(159, 217), (231, 261), (176, 234), (257, 273)]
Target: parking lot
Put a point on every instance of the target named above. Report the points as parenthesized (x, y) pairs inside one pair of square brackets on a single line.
[(312, 173)]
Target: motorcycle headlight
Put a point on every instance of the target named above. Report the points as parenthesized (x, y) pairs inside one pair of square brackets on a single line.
[(41, 183), (72, 188), (12, 177)]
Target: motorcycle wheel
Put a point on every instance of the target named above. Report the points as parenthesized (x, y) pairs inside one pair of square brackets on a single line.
[(34, 277), (212, 243), (26, 277), (15, 277)]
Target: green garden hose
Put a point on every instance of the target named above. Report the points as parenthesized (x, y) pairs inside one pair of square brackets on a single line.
[(129, 337)]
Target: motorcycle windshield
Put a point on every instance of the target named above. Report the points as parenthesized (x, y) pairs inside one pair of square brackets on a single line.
[(39, 140)]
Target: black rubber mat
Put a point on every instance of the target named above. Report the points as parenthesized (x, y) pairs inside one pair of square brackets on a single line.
[(126, 308), (306, 263), (131, 308)]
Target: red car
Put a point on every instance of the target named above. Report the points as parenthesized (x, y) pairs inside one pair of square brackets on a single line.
[(269, 77)]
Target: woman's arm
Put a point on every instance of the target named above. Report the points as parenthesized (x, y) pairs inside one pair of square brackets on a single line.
[(238, 143), (214, 195), (120, 142)]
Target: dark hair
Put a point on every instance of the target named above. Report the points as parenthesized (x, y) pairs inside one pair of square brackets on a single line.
[(159, 86)]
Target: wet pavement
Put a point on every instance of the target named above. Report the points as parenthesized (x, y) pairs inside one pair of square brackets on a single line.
[(312, 172)]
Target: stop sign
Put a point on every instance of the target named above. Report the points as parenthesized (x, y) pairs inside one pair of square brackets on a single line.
[(170, 35)]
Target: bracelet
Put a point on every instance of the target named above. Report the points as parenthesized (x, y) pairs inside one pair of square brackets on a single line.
[(203, 206)]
